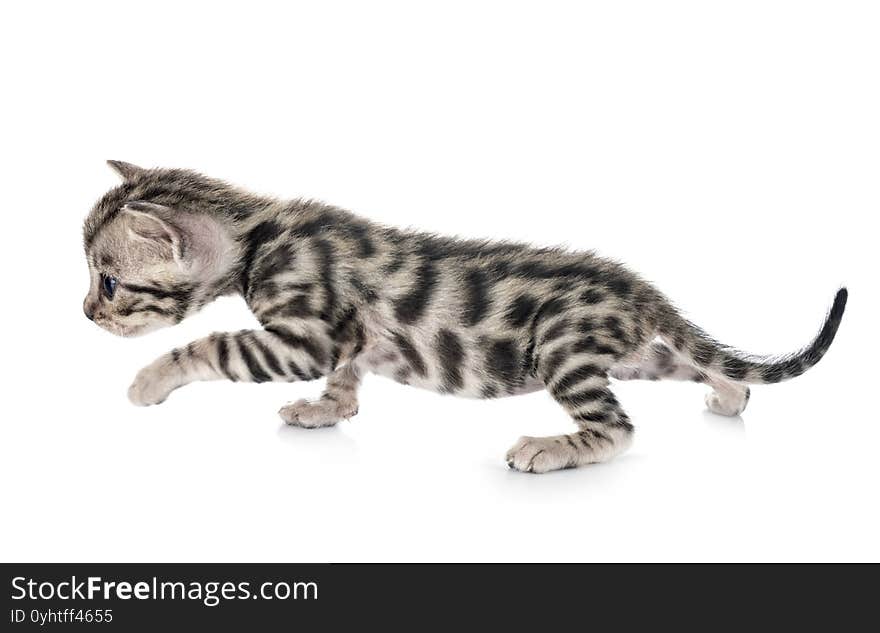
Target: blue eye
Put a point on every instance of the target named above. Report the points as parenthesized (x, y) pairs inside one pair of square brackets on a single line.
[(108, 285)]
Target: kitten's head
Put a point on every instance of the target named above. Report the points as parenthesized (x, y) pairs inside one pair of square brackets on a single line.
[(150, 252)]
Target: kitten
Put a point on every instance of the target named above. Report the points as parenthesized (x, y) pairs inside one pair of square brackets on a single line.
[(339, 296)]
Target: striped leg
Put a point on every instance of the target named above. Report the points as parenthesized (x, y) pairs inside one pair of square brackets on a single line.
[(581, 387), (338, 402), (248, 356)]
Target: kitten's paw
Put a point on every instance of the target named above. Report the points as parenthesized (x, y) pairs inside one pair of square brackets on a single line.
[(729, 404), (152, 384), (541, 455), (311, 414)]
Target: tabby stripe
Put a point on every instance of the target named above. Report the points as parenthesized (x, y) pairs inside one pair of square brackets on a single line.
[(520, 310), (503, 362), (592, 346), (360, 339), (410, 353), (278, 260), (555, 331), (599, 435), (553, 363), (268, 355), (359, 232), (327, 258), (477, 301), (255, 238), (297, 307), (584, 397), (735, 368), (451, 354), (296, 371), (591, 296), (298, 342), (257, 373), (576, 376), (183, 294), (592, 416), (223, 357), (411, 306)]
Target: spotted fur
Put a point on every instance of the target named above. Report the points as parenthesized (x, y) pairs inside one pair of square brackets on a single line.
[(339, 296)]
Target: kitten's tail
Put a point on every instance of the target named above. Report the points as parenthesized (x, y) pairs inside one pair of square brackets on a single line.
[(713, 357)]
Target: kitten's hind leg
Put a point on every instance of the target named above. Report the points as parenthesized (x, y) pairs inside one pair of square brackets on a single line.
[(338, 402), (658, 361), (581, 387)]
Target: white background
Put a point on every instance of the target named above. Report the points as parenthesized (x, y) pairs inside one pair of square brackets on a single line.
[(727, 151)]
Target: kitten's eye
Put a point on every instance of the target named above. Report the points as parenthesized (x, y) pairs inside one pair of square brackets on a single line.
[(108, 285)]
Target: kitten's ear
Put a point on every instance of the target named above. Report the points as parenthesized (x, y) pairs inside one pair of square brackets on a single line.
[(126, 170), (152, 223), (195, 241)]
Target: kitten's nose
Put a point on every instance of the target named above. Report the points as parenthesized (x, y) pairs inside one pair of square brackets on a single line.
[(89, 311)]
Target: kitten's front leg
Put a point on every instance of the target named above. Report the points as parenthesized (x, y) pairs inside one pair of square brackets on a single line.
[(154, 382), (338, 402), (248, 356)]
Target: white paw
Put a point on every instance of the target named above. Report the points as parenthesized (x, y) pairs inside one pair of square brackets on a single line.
[(311, 414), (541, 454), (729, 404), (153, 383)]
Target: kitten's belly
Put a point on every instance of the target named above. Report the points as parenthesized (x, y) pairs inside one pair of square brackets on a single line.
[(386, 359)]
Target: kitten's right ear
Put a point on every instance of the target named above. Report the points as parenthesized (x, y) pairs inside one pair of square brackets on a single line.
[(126, 170)]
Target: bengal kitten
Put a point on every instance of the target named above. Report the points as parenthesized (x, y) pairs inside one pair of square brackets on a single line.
[(339, 296)]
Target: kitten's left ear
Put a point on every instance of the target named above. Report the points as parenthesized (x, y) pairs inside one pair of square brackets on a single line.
[(195, 241), (153, 223), (126, 170)]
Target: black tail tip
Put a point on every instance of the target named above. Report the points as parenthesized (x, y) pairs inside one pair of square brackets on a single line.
[(839, 304)]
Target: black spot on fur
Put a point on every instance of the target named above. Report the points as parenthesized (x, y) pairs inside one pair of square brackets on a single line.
[(451, 354), (359, 232), (614, 327), (503, 362), (520, 310), (591, 296), (477, 301), (735, 368), (704, 353), (618, 285), (327, 266), (586, 325), (410, 307), (412, 356)]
